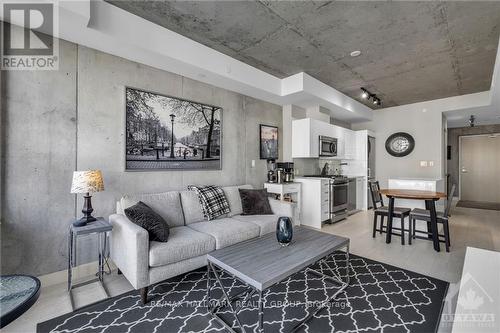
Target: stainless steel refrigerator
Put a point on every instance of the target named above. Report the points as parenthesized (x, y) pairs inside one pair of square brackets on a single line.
[(371, 167)]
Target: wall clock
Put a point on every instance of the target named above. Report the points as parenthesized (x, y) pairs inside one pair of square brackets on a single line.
[(400, 144)]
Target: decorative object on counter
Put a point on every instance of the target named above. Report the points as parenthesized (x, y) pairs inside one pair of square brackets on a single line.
[(17, 294), (268, 142), (164, 133), (400, 144), (284, 230), (86, 182)]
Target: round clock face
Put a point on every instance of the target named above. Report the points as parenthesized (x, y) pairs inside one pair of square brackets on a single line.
[(400, 144)]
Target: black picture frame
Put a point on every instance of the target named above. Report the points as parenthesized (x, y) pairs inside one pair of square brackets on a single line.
[(268, 147), (411, 144), (192, 150)]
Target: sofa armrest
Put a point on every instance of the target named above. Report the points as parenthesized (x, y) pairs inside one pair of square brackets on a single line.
[(284, 208), (130, 250)]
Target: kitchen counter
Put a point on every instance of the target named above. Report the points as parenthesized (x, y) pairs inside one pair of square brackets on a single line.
[(416, 183)]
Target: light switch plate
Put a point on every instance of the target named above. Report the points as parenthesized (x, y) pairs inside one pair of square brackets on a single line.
[(253, 163)]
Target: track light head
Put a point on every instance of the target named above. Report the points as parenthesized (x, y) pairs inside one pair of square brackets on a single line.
[(376, 101), (364, 94)]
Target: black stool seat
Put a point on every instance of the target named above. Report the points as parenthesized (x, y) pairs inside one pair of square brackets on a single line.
[(421, 214), (398, 211)]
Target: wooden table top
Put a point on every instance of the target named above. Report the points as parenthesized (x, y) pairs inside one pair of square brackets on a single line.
[(413, 194)]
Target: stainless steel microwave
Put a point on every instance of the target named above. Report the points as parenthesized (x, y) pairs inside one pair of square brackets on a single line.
[(327, 146)]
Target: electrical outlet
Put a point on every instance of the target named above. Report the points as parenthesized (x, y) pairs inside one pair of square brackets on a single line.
[(423, 164), (431, 163)]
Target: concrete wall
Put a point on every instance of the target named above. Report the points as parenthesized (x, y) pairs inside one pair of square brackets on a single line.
[(39, 155), (73, 119), (425, 127), (453, 140)]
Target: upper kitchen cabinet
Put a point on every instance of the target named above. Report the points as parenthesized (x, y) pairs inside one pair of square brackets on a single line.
[(305, 139)]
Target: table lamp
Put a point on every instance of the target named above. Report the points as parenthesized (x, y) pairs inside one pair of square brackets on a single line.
[(86, 182)]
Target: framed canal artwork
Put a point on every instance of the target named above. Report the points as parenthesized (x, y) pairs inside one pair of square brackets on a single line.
[(268, 142), (168, 133)]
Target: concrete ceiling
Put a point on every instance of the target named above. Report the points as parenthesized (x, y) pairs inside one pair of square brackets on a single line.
[(411, 51)]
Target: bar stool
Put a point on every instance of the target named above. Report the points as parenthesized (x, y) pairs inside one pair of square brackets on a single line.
[(442, 217), (383, 211)]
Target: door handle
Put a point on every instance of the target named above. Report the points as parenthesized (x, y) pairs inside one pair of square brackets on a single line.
[(464, 170)]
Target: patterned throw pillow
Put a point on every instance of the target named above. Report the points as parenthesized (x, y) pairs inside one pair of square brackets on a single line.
[(212, 199)]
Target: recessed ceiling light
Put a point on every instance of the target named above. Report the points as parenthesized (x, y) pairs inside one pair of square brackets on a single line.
[(355, 53)]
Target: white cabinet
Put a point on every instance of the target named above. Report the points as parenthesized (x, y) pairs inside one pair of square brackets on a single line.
[(361, 145), (361, 193), (350, 145), (305, 139), (292, 189), (315, 204)]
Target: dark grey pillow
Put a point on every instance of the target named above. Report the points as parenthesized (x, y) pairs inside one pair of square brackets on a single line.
[(255, 202), (142, 215)]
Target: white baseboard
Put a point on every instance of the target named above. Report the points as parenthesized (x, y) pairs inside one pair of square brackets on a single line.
[(80, 272)]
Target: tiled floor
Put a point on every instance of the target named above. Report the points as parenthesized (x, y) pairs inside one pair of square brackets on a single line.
[(469, 227)]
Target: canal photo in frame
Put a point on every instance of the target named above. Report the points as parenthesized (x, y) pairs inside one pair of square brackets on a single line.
[(168, 133), (268, 142)]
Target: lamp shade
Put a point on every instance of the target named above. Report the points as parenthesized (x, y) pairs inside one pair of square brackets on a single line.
[(87, 181)]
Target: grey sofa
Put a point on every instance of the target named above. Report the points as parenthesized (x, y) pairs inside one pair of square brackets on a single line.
[(191, 237)]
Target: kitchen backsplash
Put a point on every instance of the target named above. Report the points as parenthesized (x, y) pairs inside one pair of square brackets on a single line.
[(313, 166)]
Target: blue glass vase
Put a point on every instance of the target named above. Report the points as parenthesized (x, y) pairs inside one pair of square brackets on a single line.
[(284, 230)]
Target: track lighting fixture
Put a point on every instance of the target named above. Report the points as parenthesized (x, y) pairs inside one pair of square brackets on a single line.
[(472, 119), (365, 94)]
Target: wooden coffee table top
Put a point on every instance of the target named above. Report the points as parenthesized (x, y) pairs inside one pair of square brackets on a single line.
[(413, 194), (263, 262)]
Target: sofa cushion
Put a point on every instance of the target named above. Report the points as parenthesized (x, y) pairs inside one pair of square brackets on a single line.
[(166, 204), (191, 207), (227, 231), (142, 215), (233, 197), (213, 200), (255, 202), (183, 243), (267, 223)]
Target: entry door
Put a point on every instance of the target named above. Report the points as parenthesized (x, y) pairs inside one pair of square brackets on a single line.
[(480, 168)]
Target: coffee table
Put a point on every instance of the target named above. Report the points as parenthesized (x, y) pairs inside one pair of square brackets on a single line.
[(262, 262)]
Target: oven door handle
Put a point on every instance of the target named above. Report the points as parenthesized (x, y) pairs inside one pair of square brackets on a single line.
[(339, 185)]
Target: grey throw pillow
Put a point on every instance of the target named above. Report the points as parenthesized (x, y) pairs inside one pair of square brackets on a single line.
[(255, 202), (142, 215)]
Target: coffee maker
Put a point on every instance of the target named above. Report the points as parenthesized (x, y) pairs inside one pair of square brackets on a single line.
[(287, 172), (271, 171)]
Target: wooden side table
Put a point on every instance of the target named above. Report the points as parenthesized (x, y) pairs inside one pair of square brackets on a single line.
[(286, 188), (100, 227)]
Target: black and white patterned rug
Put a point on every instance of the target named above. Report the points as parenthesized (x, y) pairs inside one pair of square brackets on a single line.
[(380, 298)]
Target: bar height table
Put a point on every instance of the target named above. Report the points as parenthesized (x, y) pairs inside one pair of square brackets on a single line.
[(430, 204)]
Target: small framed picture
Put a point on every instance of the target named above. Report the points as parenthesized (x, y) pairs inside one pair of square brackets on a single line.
[(268, 142)]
